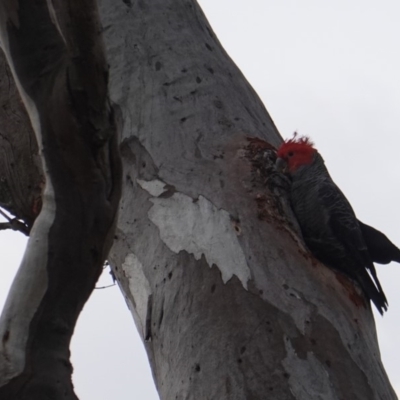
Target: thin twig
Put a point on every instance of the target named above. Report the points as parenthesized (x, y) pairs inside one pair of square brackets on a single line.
[(104, 287), (5, 215)]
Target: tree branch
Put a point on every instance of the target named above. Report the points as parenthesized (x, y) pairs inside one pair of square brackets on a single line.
[(59, 67), (14, 224)]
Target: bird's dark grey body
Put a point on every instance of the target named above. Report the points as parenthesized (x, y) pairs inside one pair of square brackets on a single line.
[(331, 229)]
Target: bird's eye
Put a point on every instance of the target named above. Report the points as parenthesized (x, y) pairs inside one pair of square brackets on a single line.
[(290, 154)]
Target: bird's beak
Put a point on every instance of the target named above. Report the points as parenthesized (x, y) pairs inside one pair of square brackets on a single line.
[(281, 165)]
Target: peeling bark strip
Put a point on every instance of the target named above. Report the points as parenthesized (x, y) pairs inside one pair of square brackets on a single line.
[(192, 199), (198, 227), (57, 59)]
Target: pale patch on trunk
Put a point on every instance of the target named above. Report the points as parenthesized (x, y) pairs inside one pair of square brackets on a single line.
[(198, 227), (155, 187), (308, 379), (30, 284), (140, 290), (26, 293)]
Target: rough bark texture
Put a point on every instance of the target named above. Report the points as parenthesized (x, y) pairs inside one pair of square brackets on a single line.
[(61, 74), (227, 300)]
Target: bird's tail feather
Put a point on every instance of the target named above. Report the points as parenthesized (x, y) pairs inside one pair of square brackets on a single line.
[(373, 292)]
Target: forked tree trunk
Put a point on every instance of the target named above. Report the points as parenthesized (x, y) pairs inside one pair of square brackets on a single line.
[(61, 73), (229, 303)]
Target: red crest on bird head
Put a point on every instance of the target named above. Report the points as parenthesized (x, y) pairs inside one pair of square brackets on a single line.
[(297, 152)]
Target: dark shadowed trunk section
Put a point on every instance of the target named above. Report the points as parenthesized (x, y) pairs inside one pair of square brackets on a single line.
[(21, 180), (57, 59)]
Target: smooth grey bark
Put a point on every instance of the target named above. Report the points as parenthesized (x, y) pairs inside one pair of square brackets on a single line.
[(229, 303), (56, 55)]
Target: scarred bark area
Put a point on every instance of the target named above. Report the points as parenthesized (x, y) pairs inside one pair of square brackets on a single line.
[(268, 322), (61, 74)]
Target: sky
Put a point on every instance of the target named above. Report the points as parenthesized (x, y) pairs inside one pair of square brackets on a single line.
[(329, 70)]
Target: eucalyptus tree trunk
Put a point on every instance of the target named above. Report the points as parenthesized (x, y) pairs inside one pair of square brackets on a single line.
[(57, 59), (228, 302)]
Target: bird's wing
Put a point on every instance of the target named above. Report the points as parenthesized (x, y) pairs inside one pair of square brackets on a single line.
[(346, 228), (343, 221)]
